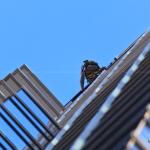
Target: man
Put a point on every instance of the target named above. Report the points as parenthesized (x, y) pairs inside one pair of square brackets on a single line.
[(90, 70)]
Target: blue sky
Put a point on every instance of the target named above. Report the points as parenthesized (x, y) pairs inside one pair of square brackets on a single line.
[(54, 37)]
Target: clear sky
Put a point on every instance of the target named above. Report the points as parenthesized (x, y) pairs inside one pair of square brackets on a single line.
[(54, 37)]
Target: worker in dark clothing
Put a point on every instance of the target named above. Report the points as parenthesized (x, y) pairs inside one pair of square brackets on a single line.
[(90, 70)]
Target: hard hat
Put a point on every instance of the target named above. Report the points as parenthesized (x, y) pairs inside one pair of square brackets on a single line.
[(85, 61)]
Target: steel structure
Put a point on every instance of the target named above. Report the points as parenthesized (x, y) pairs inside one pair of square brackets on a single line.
[(112, 113)]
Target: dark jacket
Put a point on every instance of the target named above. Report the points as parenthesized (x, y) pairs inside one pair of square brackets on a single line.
[(90, 70)]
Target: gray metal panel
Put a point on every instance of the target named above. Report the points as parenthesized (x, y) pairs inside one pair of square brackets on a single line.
[(32, 90), (3, 91), (49, 96), (11, 82)]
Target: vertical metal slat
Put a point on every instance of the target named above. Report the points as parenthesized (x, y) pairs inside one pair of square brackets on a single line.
[(13, 147), (28, 118), (20, 126), (46, 114), (17, 132)]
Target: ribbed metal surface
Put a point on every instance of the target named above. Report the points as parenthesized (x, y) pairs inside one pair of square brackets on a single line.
[(126, 112), (81, 122)]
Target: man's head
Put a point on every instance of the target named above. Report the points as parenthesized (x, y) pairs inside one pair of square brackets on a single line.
[(89, 62)]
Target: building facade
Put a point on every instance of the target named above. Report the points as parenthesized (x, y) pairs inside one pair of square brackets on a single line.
[(112, 113)]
